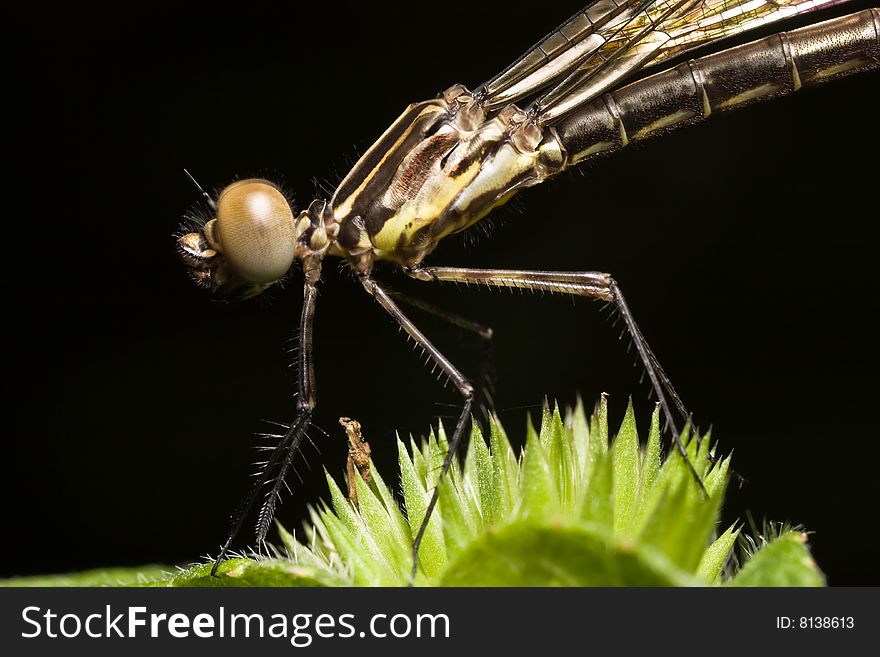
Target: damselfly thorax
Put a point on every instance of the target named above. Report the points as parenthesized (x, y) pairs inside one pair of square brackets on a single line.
[(445, 163)]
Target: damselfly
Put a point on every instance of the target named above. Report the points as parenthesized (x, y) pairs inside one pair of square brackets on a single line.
[(445, 163)]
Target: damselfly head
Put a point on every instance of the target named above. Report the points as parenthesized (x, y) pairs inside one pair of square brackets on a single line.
[(248, 245)]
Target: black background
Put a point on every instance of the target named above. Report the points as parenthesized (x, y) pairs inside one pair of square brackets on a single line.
[(746, 247)]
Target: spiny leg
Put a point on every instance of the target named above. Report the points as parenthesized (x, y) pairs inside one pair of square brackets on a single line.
[(480, 330), (461, 383), (593, 285), (275, 469), (484, 385)]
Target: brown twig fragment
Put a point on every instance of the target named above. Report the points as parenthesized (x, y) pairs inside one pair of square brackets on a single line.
[(358, 457)]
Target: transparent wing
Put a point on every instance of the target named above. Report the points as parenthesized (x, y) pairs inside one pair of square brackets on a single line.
[(561, 51), (657, 34), (610, 40)]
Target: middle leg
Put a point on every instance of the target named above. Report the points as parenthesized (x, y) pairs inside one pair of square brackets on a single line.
[(484, 382), (461, 383)]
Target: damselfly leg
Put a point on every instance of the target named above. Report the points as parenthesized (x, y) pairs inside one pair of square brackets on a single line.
[(484, 382), (592, 285), (463, 386), (271, 476)]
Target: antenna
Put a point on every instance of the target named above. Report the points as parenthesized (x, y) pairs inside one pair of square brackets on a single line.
[(205, 194)]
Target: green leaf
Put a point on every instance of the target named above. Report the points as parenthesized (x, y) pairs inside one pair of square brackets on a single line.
[(525, 554), (540, 498), (434, 454), (469, 472), (359, 564), (353, 540), (488, 484), (784, 561), (299, 553), (397, 525), (432, 553), (385, 535), (560, 457), (246, 572), (151, 575), (599, 428), (458, 527), (505, 470), (418, 459), (681, 523), (625, 459), (716, 554), (468, 483), (579, 429), (651, 459), (344, 511), (716, 479), (598, 502), (545, 432)]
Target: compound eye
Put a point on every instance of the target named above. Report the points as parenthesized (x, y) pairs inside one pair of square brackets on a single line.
[(255, 230)]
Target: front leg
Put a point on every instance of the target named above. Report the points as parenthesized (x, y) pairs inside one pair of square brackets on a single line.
[(270, 478), (592, 285)]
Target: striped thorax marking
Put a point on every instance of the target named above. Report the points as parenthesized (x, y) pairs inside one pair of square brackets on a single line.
[(437, 170)]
